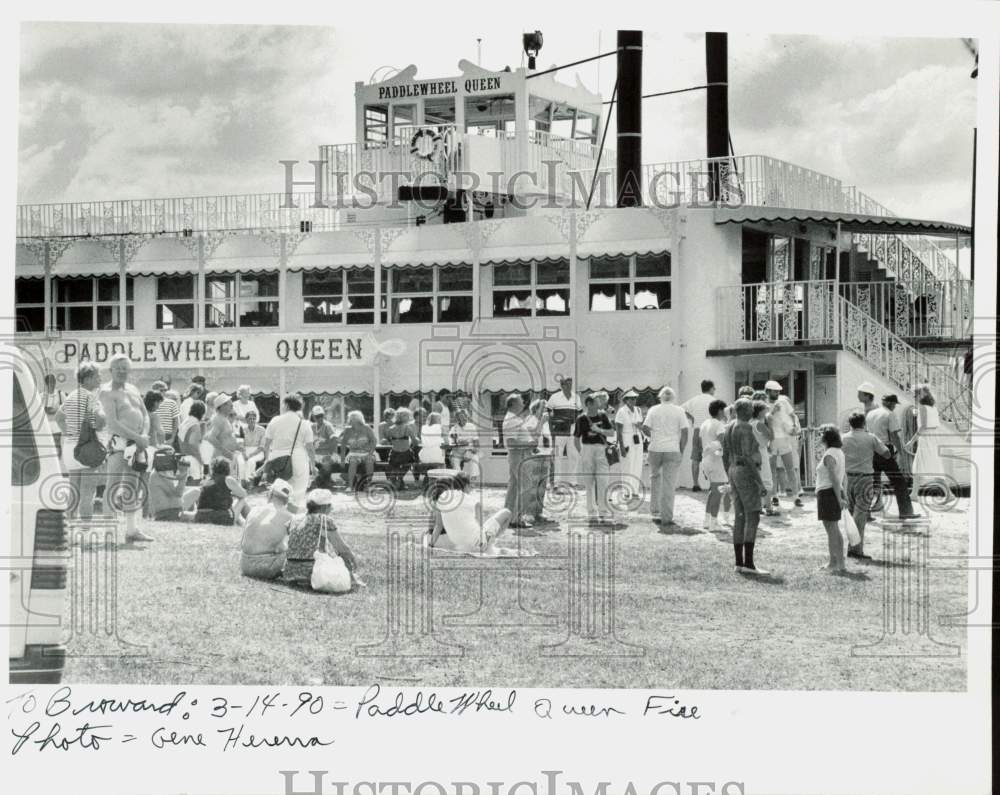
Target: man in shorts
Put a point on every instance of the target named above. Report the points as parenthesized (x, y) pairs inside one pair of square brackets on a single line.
[(785, 428), (696, 409), (127, 421)]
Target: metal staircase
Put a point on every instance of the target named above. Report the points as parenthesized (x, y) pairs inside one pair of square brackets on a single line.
[(891, 357)]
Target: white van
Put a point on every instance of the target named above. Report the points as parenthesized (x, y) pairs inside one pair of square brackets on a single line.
[(38, 544)]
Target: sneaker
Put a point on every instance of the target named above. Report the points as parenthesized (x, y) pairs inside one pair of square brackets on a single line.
[(774, 502), (138, 535), (799, 503), (758, 572), (696, 488), (771, 512)]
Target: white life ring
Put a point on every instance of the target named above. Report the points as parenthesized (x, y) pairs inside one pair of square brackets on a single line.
[(425, 144)]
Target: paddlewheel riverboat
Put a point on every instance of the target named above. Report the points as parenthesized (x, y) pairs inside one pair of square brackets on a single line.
[(473, 238)]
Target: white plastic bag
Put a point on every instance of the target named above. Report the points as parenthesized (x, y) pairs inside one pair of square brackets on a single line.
[(329, 573), (850, 528)]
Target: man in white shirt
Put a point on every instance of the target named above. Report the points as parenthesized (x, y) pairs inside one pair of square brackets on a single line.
[(697, 412), (628, 423), (667, 426), (785, 429), (564, 407)]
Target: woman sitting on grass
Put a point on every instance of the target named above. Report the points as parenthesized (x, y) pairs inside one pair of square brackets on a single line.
[(458, 520), (831, 479), (222, 500), (170, 498), (304, 535)]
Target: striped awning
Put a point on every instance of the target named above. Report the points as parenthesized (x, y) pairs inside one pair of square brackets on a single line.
[(849, 222)]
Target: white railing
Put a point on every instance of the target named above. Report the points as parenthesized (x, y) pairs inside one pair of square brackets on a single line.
[(926, 309), (777, 313), (774, 314), (196, 213), (754, 180), (894, 359)]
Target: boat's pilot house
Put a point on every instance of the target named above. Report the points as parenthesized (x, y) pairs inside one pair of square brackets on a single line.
[(479, 122)]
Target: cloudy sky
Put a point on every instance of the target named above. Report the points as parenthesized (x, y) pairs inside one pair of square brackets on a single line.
[(112, 111)]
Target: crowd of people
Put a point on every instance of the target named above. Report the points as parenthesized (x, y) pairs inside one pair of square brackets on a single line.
[(195, 455)]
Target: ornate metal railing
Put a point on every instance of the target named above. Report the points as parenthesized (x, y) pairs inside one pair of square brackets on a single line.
[(894, 359), (925, 309), (777, 313)]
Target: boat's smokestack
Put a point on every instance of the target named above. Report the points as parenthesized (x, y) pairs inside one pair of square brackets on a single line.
[(717, 109), (628, 189)]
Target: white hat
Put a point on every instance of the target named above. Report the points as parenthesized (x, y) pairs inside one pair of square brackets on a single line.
[(317, 411), (320, 497), (221, 400), (772, 386), (281, 487), (630, 393), (866, 387)]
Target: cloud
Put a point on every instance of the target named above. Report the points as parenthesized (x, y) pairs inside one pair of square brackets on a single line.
[(122, 111)]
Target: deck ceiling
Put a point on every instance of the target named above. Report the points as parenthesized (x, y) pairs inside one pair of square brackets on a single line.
[(849, 222)]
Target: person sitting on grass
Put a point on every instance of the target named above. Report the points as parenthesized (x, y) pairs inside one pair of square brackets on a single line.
[(222, 500), (831, 477), (265, 535), (170, 498), (304, 539), (458, 520)]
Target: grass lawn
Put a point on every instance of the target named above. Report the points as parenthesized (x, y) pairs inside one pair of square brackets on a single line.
[(684, 618)]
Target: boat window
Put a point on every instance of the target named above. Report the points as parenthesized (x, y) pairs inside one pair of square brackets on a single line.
[(491, 115), (376, 126), (539, 288), (625, 283)]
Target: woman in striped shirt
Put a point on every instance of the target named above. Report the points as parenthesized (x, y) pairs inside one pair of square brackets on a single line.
[(81, 405)]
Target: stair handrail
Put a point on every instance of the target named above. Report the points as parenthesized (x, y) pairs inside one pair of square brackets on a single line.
[(955, 397)]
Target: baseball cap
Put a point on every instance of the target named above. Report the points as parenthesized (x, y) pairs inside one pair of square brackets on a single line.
[(890, 398), (866, 387), (221, 400), (281, 487), (772, 386), (320, 497), (317, 411), (630, 393)]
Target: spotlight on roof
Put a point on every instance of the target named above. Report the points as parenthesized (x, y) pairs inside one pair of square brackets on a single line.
[(532, 44)]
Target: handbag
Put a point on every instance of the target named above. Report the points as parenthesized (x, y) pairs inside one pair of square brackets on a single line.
[(611, 454), (89, 451), (329, 572), (281, 467)]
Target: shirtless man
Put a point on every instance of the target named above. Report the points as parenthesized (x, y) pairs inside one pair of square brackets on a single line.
[(128, 423)]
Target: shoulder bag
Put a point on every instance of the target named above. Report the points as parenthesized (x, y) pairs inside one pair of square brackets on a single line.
[(89, 451), (281, 467), (329, 572)]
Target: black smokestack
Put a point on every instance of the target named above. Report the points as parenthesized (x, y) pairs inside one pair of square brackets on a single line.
[(717, 108), (629, 118)]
